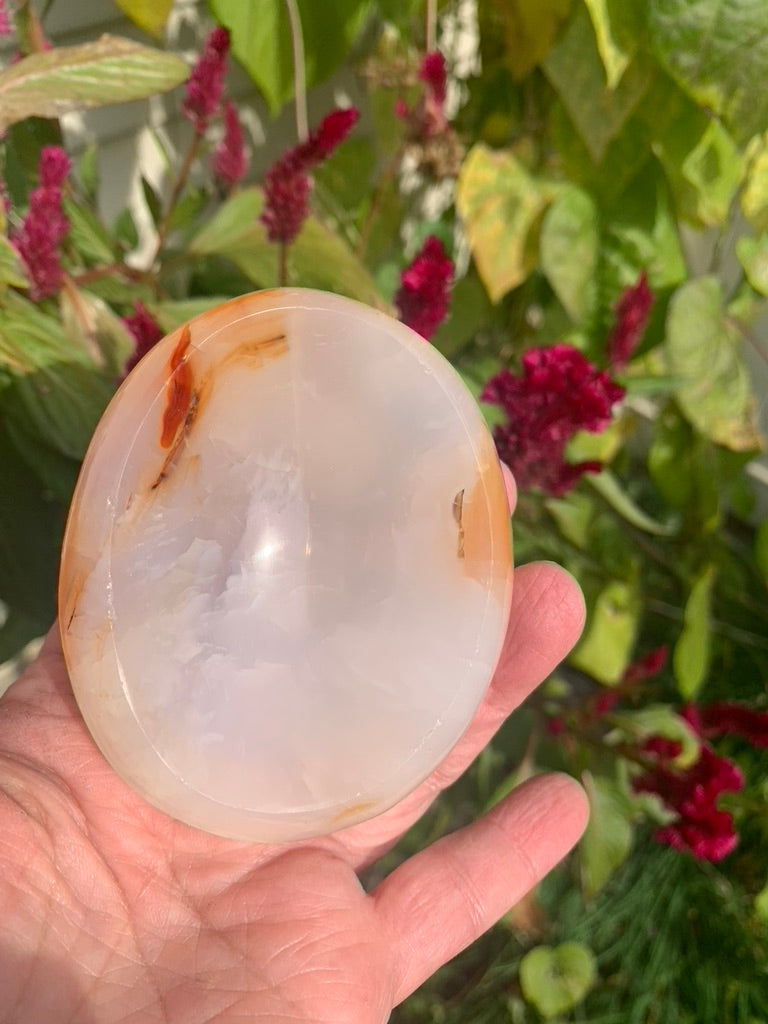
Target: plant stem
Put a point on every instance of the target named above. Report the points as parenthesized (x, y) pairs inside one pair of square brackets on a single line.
[(299, 74), (376, 200), (178, 188), (282, 264), (431, 25)]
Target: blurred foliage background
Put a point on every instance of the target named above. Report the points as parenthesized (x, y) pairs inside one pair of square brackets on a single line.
[(596, 172)]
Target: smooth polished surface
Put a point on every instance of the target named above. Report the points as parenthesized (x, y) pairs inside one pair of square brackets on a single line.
[(287, 570)]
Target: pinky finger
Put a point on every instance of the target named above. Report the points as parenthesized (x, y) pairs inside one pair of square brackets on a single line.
[(442, 899)]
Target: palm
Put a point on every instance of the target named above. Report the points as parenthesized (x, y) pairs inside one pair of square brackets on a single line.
[(113, 912)]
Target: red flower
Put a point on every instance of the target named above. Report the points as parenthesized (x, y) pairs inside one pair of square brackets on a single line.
[(725, 719), (206, 81), (229, 161), (648, 666), (6, 28), (425, 288), (145, 330), (427, 118), (558, 393), (45, 226), (287, 183), (631, 312), (692, 795)]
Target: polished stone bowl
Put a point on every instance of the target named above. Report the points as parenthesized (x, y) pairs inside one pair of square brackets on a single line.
[(287, 570)]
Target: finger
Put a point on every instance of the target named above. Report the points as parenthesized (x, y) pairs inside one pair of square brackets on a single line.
[(441, 900), (510, 486), (546, 620)]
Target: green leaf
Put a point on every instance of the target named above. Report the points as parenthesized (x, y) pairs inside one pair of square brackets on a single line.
[(95, 330), (611, 491), (609, 638), (30, 538), (11, 268), (752, 254), (68, 78), (754, 193), (607, 840), (761, 550), (569, 246), (718, 51), (575, 69), (574, 515), (657, 720), (691, 656), (87, 234), (702, 348), (642, 235), (150, 15), (318, 258), (501, 205), (702, 163), (618, 26), (556, 979), (527, 30), (261, 39), (52, 390)]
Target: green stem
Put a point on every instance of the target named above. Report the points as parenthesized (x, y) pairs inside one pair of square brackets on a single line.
[(299, 74), (178, 188), (282, 264)]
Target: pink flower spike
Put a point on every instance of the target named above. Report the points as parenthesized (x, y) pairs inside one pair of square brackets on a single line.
[(425, 289), (287, 184), (631, 318), (6, 26), (328, 136), (53, 166), (45, 226), (145, 330), (432, 73), (206, 81), (648, 666), (229, 161)]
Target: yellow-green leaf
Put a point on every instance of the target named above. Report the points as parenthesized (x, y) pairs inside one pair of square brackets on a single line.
[(691, 656), (703, 349), (68, 78), (617, 25), (575, 69), (527, 30), (609, 639), (569, 246), (501, 205), (555, 979), (753, 256), (150, 15), (754, 194), (11, 268), (607, 840)]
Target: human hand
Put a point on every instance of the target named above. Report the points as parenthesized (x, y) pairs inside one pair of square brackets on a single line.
[(113, 912)]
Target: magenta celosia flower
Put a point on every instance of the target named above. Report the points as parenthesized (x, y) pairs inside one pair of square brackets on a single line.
[(287, 183), (726, 719), (631, 318), (206, 80), (145, 330), (427, 117), (425, 288), (229, 161), (648, 666), (45, 226), (557, 394), (692, 795), (6, 27)]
